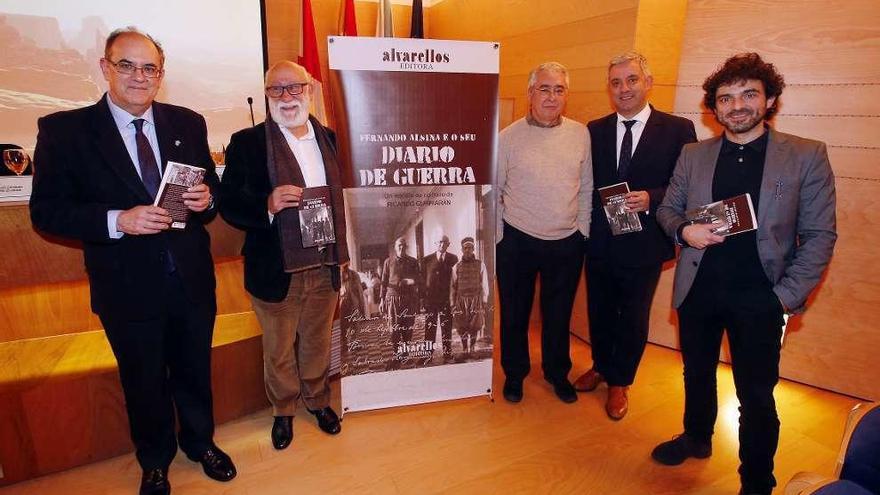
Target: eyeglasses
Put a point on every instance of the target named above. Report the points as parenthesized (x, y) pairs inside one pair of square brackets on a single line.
[(292, 89), (128, 68), (546, 91)]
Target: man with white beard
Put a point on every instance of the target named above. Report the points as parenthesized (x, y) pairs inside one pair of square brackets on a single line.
[(293, 289)]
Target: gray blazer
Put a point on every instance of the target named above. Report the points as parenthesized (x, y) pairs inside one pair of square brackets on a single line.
[(796, 213)]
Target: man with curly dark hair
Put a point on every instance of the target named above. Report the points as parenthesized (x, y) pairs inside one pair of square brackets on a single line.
[(747, 283), (741, 68)]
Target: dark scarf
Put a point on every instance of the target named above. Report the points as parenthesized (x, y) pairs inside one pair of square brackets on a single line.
[(284, 170)]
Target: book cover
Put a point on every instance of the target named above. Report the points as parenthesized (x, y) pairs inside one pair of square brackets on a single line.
[(178, 177), (316, 217), (736, 214), (620, 220)]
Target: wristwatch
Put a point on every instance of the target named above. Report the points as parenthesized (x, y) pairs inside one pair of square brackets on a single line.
[(678, 233)]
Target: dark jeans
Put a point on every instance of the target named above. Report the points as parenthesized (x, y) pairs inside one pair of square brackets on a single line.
[(521, 258), (619, 305), (753, 320), (163, 363)]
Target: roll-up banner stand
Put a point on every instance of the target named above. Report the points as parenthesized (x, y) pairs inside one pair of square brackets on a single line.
[(417, 138)]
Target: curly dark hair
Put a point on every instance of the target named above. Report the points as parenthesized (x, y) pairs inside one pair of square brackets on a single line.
[(740, 68)]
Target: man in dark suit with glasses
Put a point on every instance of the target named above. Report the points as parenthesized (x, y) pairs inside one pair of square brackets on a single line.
[(152, 287)]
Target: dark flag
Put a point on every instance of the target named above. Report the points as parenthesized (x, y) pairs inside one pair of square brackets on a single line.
[(417, 28)]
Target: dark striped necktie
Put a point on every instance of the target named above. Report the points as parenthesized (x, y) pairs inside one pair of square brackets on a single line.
[(146, 159), (626, 150)]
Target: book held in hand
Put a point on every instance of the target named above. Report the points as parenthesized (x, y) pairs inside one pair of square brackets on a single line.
[(178, 177), (316, 217), (736, 215), (613, 201)]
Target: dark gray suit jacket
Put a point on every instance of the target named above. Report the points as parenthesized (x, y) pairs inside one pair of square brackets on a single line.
[(796, 213), (83, 171), (650, 169)]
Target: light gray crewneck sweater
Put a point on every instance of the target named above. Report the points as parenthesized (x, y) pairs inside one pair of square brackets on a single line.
[(545, 179)]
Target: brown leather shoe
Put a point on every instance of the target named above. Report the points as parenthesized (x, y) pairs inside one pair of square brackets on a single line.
[(588, 381), (617, 404)]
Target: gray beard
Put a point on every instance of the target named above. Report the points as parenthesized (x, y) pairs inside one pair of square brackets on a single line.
[(299, 120)]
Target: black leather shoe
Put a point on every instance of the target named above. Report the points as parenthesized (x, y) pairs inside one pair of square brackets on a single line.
[(679, 449), (328, 421), (216, 463), (564, 390), (513, 391), (155, 482), (282, 432)]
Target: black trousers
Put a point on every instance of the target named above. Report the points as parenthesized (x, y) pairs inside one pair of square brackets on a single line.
[(619, 307), (163, 363), (521, 258), (753, 320), (441, 310)]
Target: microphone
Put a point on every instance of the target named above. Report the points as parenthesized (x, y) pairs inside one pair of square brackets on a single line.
[(250, 102)]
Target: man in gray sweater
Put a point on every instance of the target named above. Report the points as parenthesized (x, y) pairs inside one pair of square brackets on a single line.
[(545, 181)]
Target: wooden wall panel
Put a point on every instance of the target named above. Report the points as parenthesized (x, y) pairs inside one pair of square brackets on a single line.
[(659, 28), (836, 100), (835, 345), (812, 41), (35, 258), (806, 112), (26, 362), (609, 26), (282, 29), (66, 420), (581, 35), (45, 310), (494, 20), (515, 61), (824, 53), (283, 25), (31, 258), (855, 163), (663, 328)]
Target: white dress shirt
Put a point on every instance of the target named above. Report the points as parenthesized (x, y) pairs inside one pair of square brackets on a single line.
[(125, 126), (307, 153)]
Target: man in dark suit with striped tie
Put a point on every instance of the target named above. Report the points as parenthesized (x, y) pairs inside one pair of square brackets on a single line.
[(636, 144), (151, 287)]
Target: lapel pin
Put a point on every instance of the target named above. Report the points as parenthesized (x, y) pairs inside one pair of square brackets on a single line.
[(177, 143)]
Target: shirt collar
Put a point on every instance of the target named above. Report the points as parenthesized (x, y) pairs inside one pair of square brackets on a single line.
[(310, 134), (642, 116), (123, 118), (758, 145), (534, 123)]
